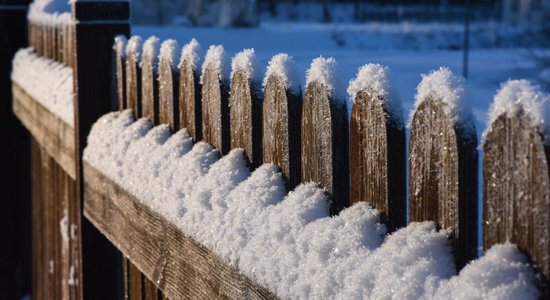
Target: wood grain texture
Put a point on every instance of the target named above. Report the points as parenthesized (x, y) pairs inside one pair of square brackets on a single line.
[(516, 188), (56, 136), (245, 115), (149, 89), (133, 84), (378, 159), (190, 108), (168, 95), (180, 267), (215, 111), (282, 112), (52, 191), (443, 177), (120, 77), (325, 157)]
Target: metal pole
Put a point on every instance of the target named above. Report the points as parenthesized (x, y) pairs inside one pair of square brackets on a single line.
[(466, 40)]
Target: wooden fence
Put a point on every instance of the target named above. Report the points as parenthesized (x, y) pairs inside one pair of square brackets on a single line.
[(443, 168), (309, 142), (65, 245)]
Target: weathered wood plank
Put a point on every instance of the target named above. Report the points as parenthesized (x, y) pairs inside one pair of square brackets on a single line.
[(168, 95), (133, 81), (245, 115), (378, 159), (149, 85), (282, 111), (50, 131), (52, 191), (120, 75), (190, 108), (215, 111), (443, 177), (516, 188), (325, 157), (180, 267)]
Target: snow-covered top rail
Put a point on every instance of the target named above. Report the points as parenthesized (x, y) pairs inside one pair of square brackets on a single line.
[(50, 13)]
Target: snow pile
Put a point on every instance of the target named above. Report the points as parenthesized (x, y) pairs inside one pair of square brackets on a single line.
[(169, 49), (375, 80), (191, 54), (282, 65), (216, 58), (151, 51), (47, 81), (133, 47), (287, 242), (325, 71), (502, 273), (54, 13), (120, 45), (517, 96), (247, 63), (442, 85)]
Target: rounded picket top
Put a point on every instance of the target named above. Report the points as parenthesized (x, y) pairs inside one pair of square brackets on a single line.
[(443, 161), (190, 100), (516, 187), (325, 144), (282, 112), (245, 110), (133, 75), (378, 158)]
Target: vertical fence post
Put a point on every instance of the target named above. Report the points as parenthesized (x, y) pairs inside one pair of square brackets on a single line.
[(15, 205), (245, 109), (516, 188), (325, 157), (282, 111), (215, 108), (95, 26), (378, 158), (190, 97), (443, 176)]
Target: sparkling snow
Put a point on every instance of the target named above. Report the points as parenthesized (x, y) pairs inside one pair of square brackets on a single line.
[(47, 81), (287, 242), (191, 53), (283, 66), (521, 95)]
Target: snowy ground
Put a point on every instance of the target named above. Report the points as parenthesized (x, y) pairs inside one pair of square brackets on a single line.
[(304, 42)]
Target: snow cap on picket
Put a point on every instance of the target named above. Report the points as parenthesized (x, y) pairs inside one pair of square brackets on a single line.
[(191, 54), (325, 71), (283, 66)]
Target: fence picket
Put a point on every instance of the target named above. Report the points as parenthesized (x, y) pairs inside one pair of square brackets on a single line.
[(443, 177), (168, 94), (215, 110), (133, 78), (245, 109), (282, 112), (516, 188), (120, 76), (377, 159), (149, 85), (325, 144), (190, 100)]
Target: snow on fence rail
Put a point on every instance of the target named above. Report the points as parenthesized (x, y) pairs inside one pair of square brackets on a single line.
[(442, 173)]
